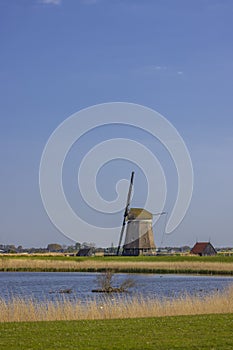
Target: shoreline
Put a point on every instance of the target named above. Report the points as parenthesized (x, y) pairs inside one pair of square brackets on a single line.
[(20, 309), (122, 270)]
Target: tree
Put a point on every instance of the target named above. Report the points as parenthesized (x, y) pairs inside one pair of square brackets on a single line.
[(11, 248), (77, 246), (54, 247), (86, 245), (105, 282)]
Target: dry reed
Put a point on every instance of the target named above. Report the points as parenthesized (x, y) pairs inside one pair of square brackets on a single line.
[(118, 266), (19, 310)]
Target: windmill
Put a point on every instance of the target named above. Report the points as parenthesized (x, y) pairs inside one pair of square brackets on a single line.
[(139, 237)]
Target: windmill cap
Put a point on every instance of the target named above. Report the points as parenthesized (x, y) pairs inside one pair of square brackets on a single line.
[(139, 213)]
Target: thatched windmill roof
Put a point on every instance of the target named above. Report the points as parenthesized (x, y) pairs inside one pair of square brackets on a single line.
[(139, 214)]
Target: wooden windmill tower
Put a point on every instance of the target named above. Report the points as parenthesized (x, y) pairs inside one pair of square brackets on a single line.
[(139, 238)]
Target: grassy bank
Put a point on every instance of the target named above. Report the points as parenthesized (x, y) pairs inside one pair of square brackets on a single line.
[(21, 310), (200, 265), (183, 332)]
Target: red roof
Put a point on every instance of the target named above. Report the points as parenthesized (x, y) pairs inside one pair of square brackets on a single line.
[(199, 247)]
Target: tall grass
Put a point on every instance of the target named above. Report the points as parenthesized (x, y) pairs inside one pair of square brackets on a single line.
[(19, 309), (11, 264)]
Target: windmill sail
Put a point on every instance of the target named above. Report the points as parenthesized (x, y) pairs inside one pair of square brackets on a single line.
[(126, 211)]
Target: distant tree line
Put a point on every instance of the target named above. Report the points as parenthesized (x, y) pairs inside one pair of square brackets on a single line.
[(54, 248)]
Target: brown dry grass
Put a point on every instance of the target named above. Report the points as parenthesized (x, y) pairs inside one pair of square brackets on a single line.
[(127, 266), (19, 310)]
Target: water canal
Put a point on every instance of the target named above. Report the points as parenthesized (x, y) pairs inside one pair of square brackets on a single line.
[(48, 286)]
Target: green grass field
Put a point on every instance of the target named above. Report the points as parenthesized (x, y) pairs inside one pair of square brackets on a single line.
[(181, 332)]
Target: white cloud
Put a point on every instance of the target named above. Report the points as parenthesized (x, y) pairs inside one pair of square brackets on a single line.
[(151, 69), (89, 2), (58, 2), (158, 67), (159, 70), (51, 2)]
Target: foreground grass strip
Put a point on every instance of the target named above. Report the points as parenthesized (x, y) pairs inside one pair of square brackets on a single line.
[(182, 332)]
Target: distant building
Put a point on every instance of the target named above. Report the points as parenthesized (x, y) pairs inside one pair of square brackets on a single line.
[(203, 249), (85, 252)]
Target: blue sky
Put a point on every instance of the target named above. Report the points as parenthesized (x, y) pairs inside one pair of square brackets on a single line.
[(57, 57)]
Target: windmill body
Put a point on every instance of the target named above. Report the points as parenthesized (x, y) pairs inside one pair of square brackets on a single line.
[(139, 238)]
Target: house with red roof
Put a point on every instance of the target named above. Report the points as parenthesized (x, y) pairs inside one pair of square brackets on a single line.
[(203, 249)]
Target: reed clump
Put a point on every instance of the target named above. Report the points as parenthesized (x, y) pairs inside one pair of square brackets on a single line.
[(20, 309)]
